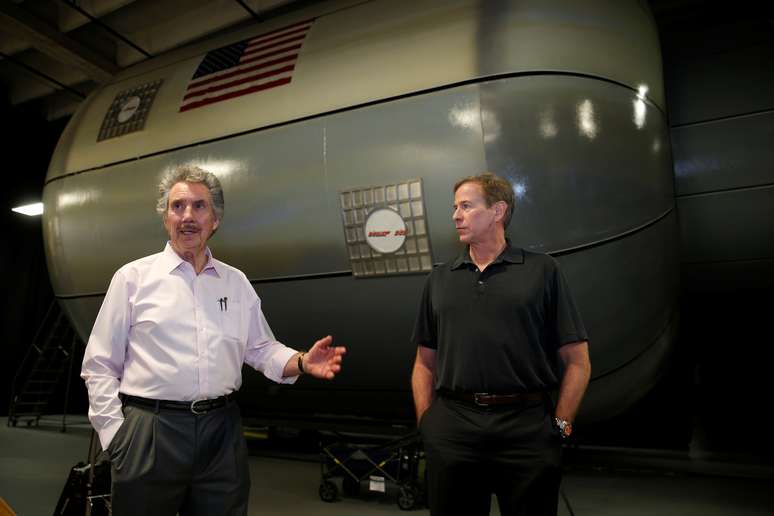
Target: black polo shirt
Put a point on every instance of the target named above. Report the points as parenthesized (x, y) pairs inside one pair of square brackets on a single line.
[(497, 331)]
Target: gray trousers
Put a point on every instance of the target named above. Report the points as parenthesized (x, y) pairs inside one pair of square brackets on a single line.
[(167, 462)]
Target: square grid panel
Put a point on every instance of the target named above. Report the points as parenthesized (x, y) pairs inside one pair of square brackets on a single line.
[(406, 198), (113, 127)]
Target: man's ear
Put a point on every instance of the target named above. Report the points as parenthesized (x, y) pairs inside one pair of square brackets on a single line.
[(215, 224), (500, 208)]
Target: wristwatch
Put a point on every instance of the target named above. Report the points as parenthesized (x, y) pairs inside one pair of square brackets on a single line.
[(564, 427)]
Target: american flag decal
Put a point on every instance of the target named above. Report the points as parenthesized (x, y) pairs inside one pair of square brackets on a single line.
[(260, 63)]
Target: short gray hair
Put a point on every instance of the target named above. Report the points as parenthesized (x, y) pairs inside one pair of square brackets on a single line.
[(190, 174)]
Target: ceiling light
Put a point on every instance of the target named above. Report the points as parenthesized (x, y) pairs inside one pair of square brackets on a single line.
[(30, 209)]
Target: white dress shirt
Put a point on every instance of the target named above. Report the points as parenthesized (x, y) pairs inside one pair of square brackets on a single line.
[(166, 333)]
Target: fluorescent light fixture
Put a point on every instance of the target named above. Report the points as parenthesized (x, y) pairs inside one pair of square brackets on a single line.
[(30, 209)]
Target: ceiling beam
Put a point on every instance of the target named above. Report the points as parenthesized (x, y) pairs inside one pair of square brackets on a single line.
[(41, 75), (252, 13), (104, 26), (21, 24)]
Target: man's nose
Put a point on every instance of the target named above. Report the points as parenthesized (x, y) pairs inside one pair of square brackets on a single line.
[(456, 214), (188, 213)]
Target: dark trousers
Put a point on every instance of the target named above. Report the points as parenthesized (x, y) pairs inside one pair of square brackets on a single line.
[(166, 462), (509, 450)]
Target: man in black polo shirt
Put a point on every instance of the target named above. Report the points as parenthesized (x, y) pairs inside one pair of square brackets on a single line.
[(496, 330)]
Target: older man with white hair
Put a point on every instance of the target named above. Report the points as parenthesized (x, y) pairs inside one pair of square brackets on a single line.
[(164, 361)]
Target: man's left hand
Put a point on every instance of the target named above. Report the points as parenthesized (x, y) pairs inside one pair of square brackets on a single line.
[(324, 360)]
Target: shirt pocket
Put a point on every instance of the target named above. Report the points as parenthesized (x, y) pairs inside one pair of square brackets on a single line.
[(232, 322)]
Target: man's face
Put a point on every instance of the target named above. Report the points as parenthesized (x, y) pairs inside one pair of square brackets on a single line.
[(474, 221), (189, 219)]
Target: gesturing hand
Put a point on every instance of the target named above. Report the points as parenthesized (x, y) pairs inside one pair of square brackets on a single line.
[(323, 360)]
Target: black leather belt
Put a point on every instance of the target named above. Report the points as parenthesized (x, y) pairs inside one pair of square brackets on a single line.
[(196, 407), (484, 399)]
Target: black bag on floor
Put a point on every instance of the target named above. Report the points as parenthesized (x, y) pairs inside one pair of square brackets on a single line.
[(76, 495)]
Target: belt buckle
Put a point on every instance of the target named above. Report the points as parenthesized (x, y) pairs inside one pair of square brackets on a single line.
[(477, 396), (193, 407)]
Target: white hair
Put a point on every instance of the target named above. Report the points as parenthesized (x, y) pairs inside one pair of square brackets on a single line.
[(190, 174)]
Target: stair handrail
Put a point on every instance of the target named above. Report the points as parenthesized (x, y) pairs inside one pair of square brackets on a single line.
[(51, 312)]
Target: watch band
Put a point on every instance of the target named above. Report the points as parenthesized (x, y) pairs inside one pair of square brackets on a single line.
[(564, 427), (301, 362)]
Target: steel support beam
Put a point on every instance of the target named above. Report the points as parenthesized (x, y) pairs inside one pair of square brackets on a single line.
[(21, 24)]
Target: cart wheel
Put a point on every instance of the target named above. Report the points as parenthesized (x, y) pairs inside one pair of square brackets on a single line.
[(328, 492), (407, 498)]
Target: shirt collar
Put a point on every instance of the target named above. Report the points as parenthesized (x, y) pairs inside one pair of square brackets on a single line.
[(510, 254), (171, 260)]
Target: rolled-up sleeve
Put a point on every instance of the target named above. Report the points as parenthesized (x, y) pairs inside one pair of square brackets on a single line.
[(103, 360), (264, 353)]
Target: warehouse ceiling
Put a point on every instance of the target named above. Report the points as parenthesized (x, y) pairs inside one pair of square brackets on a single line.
[(53, 53)]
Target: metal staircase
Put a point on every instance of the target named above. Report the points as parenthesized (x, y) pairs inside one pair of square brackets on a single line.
[(47, 362)]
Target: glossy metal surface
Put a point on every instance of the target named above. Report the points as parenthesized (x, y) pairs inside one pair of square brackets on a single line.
[(722, 155), (579, 147), (587, 153), (627, 290), (358, 52)]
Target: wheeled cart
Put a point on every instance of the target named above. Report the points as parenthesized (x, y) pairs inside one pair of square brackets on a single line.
[(364, 468)]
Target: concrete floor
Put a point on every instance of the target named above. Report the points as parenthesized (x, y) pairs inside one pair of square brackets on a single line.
[(35, 462)]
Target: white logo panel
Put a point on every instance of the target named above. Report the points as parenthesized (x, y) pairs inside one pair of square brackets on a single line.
[(385, 229)]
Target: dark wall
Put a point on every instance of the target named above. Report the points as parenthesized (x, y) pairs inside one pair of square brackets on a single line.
[(720, 90), (719, 79), (26, 145)]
